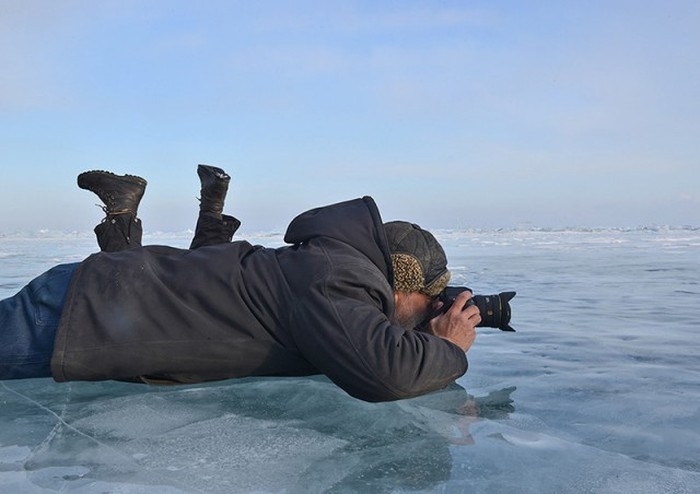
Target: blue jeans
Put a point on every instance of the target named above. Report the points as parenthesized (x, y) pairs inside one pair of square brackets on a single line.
[(28, 323)]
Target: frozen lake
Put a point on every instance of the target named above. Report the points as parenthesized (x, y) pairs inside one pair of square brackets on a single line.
[(597, 391)]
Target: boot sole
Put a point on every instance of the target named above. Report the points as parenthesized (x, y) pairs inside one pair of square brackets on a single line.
[(207, 170), (84, 179)]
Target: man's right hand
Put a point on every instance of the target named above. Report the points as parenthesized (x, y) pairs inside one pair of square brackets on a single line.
[(458, 324)]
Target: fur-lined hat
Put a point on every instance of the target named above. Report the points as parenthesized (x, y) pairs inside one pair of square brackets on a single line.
[(419, 262)]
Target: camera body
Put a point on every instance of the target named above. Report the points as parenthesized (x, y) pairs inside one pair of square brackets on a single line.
[(495, 309)]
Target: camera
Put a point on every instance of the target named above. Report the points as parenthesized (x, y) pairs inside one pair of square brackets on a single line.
[(494, 309)]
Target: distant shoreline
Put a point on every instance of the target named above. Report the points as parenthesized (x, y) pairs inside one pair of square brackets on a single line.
[(58, 234)]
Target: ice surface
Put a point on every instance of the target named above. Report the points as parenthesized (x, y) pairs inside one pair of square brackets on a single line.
[(598, 391)]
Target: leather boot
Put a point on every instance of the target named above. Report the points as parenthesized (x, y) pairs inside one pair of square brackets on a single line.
[(214, 188), (120, 194)]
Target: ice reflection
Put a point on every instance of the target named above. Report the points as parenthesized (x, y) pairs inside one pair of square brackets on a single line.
[(298, 435)]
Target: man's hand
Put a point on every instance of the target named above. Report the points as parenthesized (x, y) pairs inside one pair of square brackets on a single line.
[(457, 324)]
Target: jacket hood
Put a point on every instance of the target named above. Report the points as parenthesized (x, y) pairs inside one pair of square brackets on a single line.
[(356, 222)]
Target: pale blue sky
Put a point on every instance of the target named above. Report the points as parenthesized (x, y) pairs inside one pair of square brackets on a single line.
[(449, 113)]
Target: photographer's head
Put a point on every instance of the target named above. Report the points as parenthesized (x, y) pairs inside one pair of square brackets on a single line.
[(420, 271)]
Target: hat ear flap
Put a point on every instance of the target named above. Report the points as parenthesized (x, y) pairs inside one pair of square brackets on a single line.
[(408, 274)]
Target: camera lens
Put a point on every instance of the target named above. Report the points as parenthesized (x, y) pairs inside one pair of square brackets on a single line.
[(495, 309)]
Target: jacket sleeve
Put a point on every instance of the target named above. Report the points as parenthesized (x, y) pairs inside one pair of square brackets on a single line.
[(341, 329)]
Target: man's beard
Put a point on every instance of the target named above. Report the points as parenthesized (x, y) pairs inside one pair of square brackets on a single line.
[(410, 321)]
